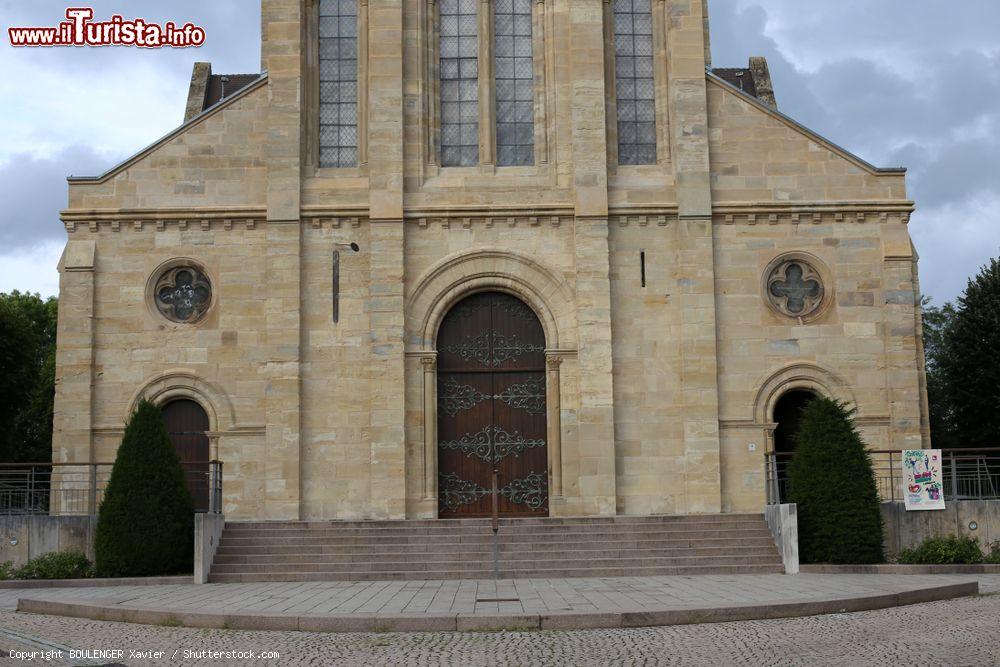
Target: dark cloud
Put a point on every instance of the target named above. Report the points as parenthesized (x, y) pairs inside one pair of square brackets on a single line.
[(34, 191)]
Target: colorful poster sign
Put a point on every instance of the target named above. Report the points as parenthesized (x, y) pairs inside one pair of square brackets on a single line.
[(922, 485)]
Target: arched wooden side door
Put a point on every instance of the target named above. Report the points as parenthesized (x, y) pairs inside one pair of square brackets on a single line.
[(187, 423), (491, 409)]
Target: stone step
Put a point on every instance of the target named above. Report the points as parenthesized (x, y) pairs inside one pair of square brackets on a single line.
[(519, 527), (423, 556), (335, 537), (548, 573), (403, 564), (450, 524), (764, 541), (463, 549), (517, 536)]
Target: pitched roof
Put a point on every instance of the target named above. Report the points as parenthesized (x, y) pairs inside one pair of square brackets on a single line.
[(221, 86), (754, 80), (738, 77)]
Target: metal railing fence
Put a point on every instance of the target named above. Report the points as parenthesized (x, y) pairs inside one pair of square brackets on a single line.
[(967, 474), (68, 489)]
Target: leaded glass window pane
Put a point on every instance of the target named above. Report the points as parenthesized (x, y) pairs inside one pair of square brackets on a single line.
[(459, 71), (634, 82), (514, 78), (338, 87)]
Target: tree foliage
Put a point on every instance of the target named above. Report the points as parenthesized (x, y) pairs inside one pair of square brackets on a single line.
[(963, 371), (27, 376), (832, 481), (942, 419), (146, 521)]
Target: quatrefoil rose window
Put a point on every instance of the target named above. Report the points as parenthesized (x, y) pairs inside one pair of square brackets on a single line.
[(794, 287), (183, 294)]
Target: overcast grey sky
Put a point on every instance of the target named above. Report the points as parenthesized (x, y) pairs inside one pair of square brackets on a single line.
[(912, 83)]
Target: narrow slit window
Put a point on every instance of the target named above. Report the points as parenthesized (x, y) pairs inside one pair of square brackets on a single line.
[(515, 81), (459, 72), (634, 87), (338, 83)]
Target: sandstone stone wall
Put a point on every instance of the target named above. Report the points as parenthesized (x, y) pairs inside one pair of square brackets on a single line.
[(217, 161), (656, 392)]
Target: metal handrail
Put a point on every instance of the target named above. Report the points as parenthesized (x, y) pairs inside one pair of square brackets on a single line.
[(968, 473), (65, 488)]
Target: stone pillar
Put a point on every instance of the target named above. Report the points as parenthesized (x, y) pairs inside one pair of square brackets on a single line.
[(695, 289), (72, 440), (429, 364), (282, 55), (487, 157), (386, 296), (596, 432), (553, 416), (904, 348), (362, 83)]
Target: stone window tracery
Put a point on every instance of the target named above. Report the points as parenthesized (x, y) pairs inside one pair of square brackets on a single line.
[(794, 287), (183, 294)]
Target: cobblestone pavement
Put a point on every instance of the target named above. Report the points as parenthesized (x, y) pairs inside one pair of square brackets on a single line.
[(953, 632), (532, 595)]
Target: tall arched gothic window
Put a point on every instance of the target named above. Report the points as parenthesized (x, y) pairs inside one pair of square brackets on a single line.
[(515, 82), (338, 83), (634, 82), (459, 69), (503, 66)]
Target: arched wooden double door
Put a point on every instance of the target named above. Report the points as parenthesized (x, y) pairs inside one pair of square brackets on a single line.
[(187, 423), (491, 409)]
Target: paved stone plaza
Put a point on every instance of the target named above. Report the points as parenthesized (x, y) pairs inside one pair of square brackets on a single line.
[(954, 632), (526, 596)]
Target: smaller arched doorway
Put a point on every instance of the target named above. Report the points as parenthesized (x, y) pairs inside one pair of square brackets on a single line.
[(788, 417), (492, 424), (187, 425)]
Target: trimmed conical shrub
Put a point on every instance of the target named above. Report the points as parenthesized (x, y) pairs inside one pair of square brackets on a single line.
[(146, 521), (832, 481)]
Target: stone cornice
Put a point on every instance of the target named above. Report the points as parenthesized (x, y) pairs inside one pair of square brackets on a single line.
[(227, 218), (897, 205), (848, 215)]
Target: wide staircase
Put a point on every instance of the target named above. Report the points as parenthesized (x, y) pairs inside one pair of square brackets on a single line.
[(463, 549)]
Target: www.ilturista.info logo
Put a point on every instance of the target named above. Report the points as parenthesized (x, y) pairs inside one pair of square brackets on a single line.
[(81, 30)]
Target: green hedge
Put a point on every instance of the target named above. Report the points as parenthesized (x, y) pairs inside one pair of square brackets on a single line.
[(55, 565), (950, 550), (831, 480), (146, 522)]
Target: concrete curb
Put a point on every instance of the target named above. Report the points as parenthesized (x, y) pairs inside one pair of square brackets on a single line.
[(900, 569), (490, 622), (95, 583)]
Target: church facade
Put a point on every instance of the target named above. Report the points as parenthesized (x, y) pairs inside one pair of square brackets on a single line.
[(443, 252)]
